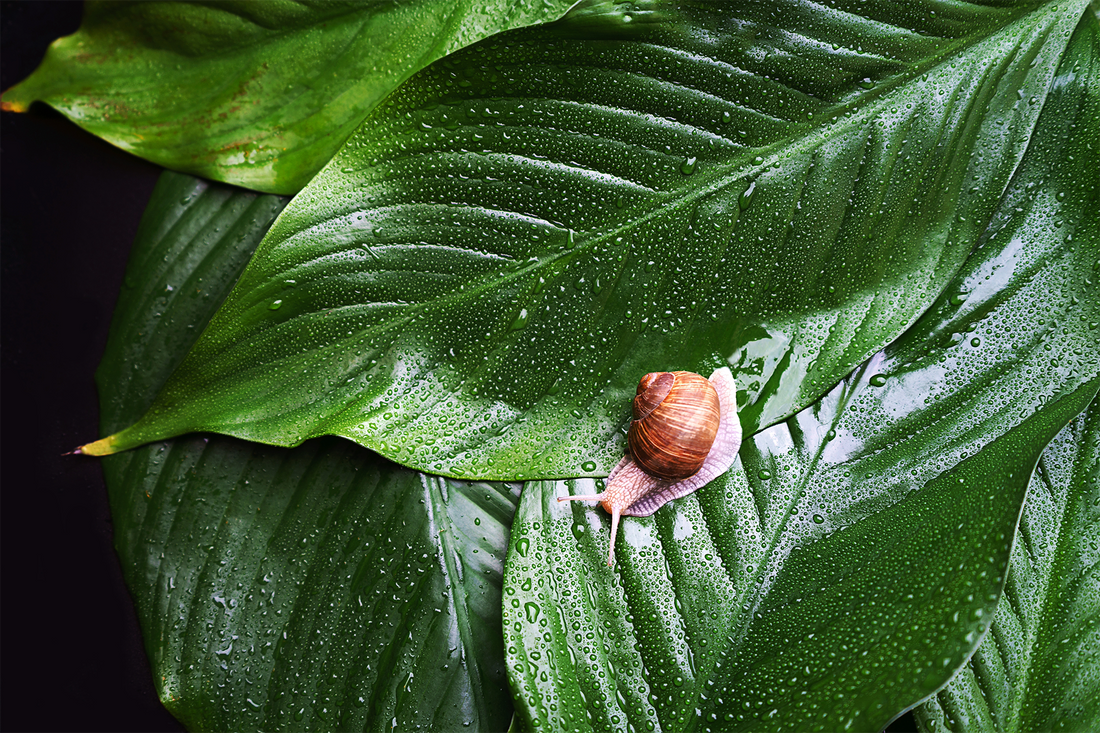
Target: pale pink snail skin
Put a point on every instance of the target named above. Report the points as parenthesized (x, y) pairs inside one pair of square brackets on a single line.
[(633, 492)]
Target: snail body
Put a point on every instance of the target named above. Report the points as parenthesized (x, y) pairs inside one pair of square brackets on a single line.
[(685, 433)]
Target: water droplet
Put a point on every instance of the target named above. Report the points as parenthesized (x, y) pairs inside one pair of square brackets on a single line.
[(588, 466), (275, 305), (746, 196), (878, 380), (522, 546), (521, 320), (818, 519), (688, 166), (866, 83)]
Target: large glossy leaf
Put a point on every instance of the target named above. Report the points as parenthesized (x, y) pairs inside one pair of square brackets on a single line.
[(475, 284), (1039, 666), (260, 94), (852, 559), (315, 588)]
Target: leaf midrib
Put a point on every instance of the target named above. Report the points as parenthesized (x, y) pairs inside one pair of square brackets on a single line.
[(757, 589), (457, 597), (1046, 598)]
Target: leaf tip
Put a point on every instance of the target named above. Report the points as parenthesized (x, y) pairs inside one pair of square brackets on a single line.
[(9, 105), (102, 447), (10, 102)]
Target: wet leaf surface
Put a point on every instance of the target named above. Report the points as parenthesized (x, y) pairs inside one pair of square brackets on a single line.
[(852, 559), (475, 284), (257, 94), (316, 588), (1038, 668)]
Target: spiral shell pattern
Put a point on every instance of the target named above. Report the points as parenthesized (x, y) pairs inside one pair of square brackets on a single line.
[(676, 417)]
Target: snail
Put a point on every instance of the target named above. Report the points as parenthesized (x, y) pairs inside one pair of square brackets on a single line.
[(684, 434)]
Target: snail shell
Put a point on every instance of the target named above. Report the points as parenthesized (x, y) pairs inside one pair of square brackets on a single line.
[(689, 424), (676, 417)]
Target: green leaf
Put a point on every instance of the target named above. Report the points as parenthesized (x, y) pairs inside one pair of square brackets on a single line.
[(1038, 667), (475, 284), (851, 560), (315, 588), (257, 94)]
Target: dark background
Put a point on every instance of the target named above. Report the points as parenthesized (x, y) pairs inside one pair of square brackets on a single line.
[(71, 655)]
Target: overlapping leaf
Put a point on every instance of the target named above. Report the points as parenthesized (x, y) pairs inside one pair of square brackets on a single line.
[(315, 588), (1039, 666), (853, 558), (260, 94), (475, 284)]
